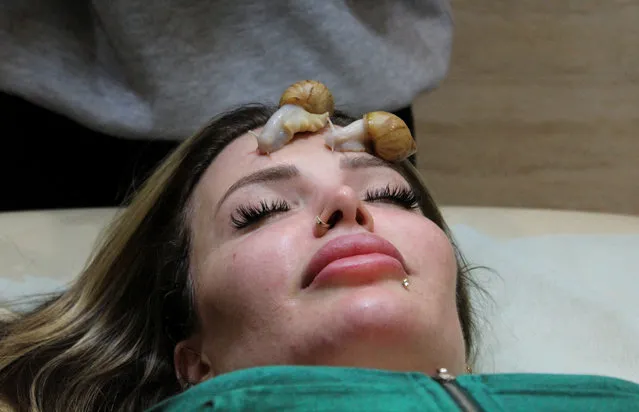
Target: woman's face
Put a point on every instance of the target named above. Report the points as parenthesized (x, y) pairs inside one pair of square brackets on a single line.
[(252, 270)]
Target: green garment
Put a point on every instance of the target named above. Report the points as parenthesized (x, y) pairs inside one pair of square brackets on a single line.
[(323, 388)]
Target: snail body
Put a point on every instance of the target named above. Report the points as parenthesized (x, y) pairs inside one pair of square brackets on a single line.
[(282, 126), (382, 134), (312, 95), (351, 138)]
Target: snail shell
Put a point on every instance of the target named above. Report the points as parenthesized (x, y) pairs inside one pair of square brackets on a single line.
[(390, 136), (380, 133), (283, 125), (312, 95)]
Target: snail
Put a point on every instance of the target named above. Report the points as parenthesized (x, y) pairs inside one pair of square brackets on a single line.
[(312, 95), (282, 126), (382, 134), (305, 106)]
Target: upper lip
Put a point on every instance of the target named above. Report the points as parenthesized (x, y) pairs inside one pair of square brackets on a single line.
[(347, 246)]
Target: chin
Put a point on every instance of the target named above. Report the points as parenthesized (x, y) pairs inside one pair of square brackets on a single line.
[(379, 326), (376, 321), (386, 314)]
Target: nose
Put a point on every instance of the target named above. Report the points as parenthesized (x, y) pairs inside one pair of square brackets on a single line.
[(343, 207)]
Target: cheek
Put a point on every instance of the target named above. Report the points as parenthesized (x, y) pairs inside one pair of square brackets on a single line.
[(259, 268), (428, 251)]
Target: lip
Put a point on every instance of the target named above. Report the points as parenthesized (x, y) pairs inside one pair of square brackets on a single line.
[(352, 252)]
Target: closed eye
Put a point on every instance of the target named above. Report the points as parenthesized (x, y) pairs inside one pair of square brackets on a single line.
[(247, 215), (399, 195)]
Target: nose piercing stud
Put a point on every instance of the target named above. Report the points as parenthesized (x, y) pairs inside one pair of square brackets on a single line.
[(319, 222)]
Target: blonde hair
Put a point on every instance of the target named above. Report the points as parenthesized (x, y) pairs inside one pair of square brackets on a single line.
[(106, 343)]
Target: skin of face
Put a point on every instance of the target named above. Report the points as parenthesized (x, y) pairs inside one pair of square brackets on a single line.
[(252, 307)]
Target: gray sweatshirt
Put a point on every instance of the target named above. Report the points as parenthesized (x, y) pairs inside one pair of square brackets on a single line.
[(162, 68)]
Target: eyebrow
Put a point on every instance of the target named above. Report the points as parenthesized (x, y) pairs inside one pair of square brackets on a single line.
[(288, 171), (271, 174), (362, 162)]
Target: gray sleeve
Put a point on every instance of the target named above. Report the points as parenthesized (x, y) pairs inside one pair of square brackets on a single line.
[(161, 68)]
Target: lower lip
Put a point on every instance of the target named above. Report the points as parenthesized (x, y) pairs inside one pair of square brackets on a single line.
[(358, 270)]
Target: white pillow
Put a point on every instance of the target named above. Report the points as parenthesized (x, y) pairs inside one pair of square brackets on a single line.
[(557, 303)]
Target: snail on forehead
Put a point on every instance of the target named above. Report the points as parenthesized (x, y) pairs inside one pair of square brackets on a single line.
[(382, 134), (306, 106)]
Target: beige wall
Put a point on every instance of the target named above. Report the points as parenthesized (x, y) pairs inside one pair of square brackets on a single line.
[(540, 108)]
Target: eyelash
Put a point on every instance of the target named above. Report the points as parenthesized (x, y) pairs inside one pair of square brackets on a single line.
[(400, 195), (247, 215), (251, 214)]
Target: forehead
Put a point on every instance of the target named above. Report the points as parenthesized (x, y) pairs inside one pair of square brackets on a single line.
[(240, 158)]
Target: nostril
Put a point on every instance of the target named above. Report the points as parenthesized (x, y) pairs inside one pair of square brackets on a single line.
[(335, 217), (359, 217)]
